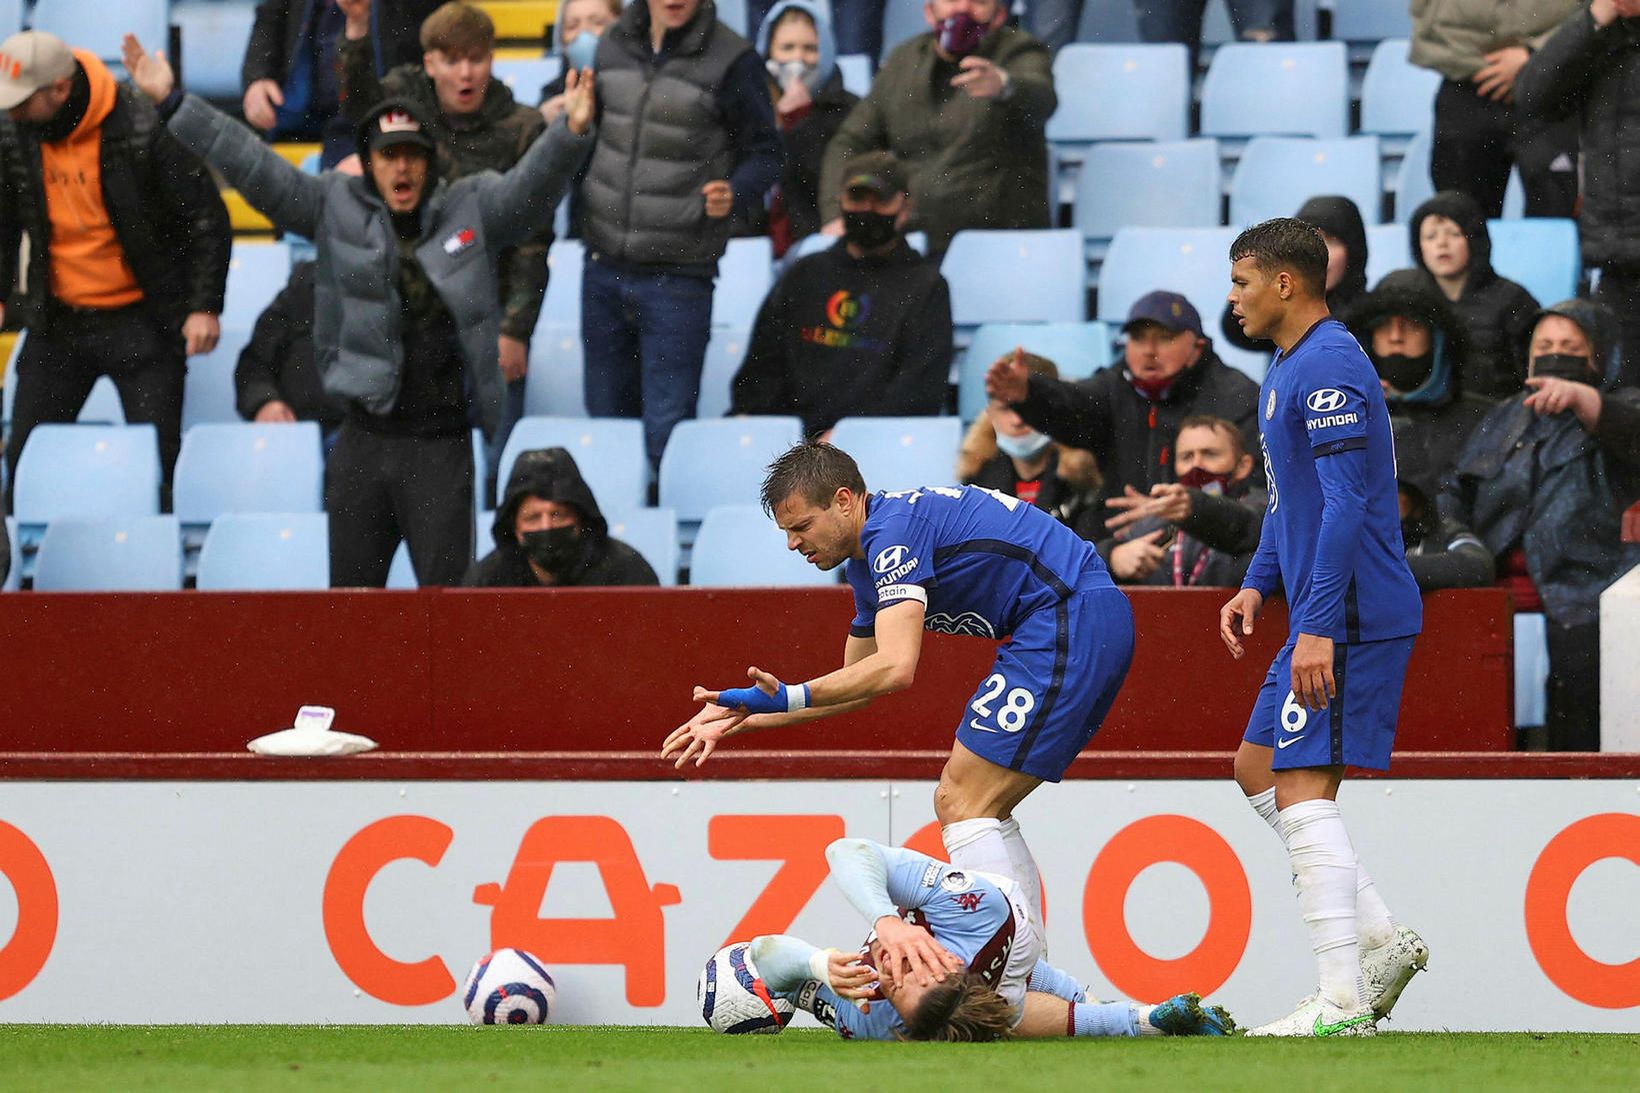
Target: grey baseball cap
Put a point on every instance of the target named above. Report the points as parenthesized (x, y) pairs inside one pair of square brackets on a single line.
[(29, 61)]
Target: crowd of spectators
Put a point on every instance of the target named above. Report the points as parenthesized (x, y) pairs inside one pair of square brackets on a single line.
[(1517, 426)]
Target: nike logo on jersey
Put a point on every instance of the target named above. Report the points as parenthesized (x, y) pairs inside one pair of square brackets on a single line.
[(977, 727), (1284, 741)]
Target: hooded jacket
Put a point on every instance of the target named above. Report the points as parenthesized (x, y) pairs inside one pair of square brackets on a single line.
[(494, 138), (1496, 313), (1430, 423), (1594, 74), (167, 216), (971, 163), (804, 134), (1339, 218), (1557, 491), (358, 313), (551, 475)]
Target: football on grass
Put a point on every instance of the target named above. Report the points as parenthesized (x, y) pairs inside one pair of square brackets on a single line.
[(733, 997), (509, 987)]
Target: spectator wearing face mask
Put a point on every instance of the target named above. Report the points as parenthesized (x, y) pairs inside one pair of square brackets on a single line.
[(965, 108), (1002, 453), (810, 105), (1451, 244), (1346, 236), (550, 533), (1128, 415), (862, 328), (1441, 552), (1200, 530), (1415, 342), (1544, 481)]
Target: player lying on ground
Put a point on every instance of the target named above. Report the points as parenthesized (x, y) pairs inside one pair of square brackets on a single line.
[(960, 561), (961, 962)]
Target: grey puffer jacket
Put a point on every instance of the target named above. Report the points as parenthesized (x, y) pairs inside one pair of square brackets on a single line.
[(1554, 489), (1595, 74), (357, 312)]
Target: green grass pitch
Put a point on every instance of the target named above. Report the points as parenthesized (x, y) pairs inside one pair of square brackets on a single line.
[(254, 1057)]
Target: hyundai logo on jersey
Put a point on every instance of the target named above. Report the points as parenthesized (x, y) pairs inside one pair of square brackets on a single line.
[(1326, 400)]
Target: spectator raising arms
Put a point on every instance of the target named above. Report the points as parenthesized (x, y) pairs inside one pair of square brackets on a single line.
[(863, 328), (1451, 244), (128, 244), (964, 107)]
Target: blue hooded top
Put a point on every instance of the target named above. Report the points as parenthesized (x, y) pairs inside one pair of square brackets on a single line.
[(822, 28)]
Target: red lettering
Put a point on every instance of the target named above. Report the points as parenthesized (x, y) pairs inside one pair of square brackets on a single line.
[(799, 842), (30, 875)]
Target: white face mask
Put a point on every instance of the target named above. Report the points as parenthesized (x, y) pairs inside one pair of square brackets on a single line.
[(784, 72), (1025, 445)]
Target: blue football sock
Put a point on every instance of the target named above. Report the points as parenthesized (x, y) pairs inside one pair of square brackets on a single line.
[(1104, 1019), (1050, 980)]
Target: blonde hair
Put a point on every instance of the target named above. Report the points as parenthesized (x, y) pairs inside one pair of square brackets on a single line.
[(965, 1010)]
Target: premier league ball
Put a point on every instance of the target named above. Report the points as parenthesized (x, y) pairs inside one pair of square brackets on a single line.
[(509, 987), (733, 997)]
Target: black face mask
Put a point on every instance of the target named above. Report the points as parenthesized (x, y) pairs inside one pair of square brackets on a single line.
[(1563, 366), (868, 230), (1406, 374), (556, 550)]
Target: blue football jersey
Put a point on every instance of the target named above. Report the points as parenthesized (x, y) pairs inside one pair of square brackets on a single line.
[(980, 561), (979, 917), (1328, 452)]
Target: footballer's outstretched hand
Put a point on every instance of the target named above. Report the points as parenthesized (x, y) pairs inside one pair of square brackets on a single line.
[(766, 695), (910, 952), (698, 737)]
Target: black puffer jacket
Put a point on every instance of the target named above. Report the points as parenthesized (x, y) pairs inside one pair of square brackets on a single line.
[(1496, 313), (1555, 489), (1432, 421), (551, 475), (1595, 74), (1338, 217), (1131, 436), (165, 210)]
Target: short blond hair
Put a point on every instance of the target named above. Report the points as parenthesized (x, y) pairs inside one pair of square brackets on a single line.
[(961, 1010)]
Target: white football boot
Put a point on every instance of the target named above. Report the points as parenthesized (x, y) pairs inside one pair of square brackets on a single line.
[(1320, 1017), (1390, 967)]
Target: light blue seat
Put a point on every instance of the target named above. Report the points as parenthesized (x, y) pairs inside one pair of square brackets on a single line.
[(856, 71), (555, 385), (1531, 669), (208, 394), (266, 551), (732, 14), (608, 452), (1171, 184), (721, 461), (256, 274), (902, 19), (401, 574), (725, 353), (815, 242), (11, 17), (1370, 20), (1389, 248), (1397, 96), (214, 37), (1543, 254), (1412, 185), (1278, 88), (1278, 174), (902, 453), (1126, 91), (1025, 276), (745, 275), (563, 300), (14, 575), (526, 76), (124, 554), (1078, 350), (739, 546), (89, 25), (102, 406), (87, 472), (245, 467), (652, 533)]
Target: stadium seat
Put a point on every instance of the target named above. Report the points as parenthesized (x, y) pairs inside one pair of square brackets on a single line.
[(1016, 277), (245, 467), (208, 394), (526, 76), (86, 24), (1531, 669), (103, 405), (902, 453), (127, 554), (721, 461), (1077, 349), (902, 19), (652, 533), (256, 273), (740, 547), (266, 551), (1412, 185), (816, 242), (732, 14), (608, 452), (214, 36), (1276, 88), (401, 574), (856, 72), (745, 275), (483, 529), (563, 301), (11, 17), (1192, 261), (87, 472), (1397, 96), (724, 355), (555, 385), (1172, 184), (1370, 20), (1544, 255), (14, 574), (1276, 175), (1389, 248), (1120, 92)]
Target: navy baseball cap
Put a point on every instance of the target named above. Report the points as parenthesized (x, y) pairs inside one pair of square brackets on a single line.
[(1166, 309)]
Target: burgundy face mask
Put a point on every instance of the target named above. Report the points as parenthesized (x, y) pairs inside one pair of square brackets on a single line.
[(1200, 478), (960, 34)]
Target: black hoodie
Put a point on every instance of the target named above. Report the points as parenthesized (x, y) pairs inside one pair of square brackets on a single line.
[(1338, 217), (551, 475), (1496, 313)]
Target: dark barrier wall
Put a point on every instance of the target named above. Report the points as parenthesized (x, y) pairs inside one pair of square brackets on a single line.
[(612, 670)]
